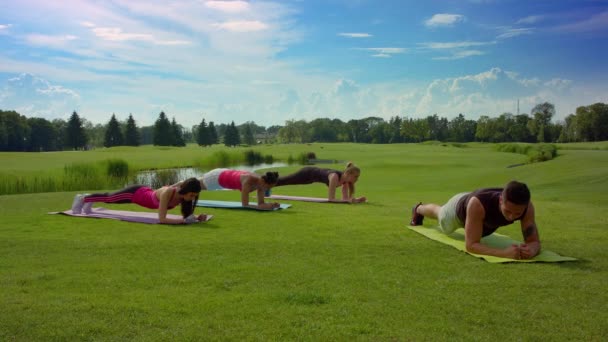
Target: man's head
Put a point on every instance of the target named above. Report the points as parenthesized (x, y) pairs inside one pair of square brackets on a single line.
[(514, 200)]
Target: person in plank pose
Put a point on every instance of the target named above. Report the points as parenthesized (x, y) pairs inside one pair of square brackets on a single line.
[(332, 178), (482, 212), (184, 194), (244, 181)]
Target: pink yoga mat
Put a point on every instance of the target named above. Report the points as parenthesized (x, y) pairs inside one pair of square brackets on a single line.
[(129, 216)]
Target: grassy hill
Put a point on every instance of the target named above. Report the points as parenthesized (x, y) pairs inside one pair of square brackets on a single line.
[(314, 271)]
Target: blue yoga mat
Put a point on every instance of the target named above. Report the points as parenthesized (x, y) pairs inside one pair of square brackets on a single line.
[(233, 205)]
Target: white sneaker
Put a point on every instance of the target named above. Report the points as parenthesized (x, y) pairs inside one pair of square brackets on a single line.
[(87, 208), (77, 204)]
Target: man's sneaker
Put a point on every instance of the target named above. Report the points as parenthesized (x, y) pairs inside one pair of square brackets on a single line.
[(77, 204), (87, 208), (416, 218)]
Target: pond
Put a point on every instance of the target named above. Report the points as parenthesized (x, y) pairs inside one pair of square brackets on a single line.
[(162, 177)]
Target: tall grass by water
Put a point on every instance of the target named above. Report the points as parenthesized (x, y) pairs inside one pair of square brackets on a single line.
[(75, 176), (86, 173)]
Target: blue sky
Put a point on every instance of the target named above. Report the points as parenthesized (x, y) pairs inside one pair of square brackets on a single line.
[(268, 61)]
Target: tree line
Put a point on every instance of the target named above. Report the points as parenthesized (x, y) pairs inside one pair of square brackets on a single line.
[(19, 133)]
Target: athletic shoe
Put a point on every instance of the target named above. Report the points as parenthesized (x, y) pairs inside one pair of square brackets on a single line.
[(77, 204), (87, 208), (416, 218)]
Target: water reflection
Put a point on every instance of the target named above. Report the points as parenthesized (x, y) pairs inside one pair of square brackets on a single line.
[(158, 178)]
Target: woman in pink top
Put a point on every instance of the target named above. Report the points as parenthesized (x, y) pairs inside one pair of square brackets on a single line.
[(245, 181), (168, 197)]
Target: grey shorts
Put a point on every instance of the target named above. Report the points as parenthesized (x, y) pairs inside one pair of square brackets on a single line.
[(448, 220), (211, 179)]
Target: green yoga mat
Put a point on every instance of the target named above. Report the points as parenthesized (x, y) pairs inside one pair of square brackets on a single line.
[(495, 240)]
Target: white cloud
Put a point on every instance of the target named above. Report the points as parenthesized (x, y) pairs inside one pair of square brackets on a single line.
[(461, 54), (116, 34), (355, 35), (242, 26), (457, 50), (4, 28), (533, 19), (50, 41), (228, 6), (514, 32), (36, 97), (597, 22), (453, 45), (444, 19), (558, 83), (496, 91), (384, 52)]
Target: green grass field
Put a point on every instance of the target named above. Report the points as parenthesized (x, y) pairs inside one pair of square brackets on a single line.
[(328, 272)]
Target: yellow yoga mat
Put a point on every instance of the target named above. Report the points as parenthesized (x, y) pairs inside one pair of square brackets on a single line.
[(495, 240)]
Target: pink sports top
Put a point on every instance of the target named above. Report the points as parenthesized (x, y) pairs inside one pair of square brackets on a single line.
[(146, 197), (231, 179)]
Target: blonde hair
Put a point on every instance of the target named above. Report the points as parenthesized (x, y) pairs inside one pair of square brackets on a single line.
[(351, 168)]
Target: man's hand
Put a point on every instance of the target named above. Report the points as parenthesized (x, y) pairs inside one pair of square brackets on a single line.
[(529, 250), (513, 252), (202, 217)]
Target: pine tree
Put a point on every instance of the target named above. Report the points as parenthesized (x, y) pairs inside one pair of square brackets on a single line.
[(178, 136), (202, 136), (248, 135), (213, 138), (231, 136), (132, 137), (163, 134), (75, 135), (113, 136)]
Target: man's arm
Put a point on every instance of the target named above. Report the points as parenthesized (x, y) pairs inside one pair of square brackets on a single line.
[(531, 246), (473, 229)]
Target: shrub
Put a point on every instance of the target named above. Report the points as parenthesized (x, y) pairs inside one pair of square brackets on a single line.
[(268, 159), (535, 152), (118, 168), (223, 159), (252, 157), (303, 159)]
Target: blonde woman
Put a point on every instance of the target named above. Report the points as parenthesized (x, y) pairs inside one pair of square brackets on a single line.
[(330, 177)]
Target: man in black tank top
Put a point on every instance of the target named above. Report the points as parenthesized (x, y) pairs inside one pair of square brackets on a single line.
[(483, 211)]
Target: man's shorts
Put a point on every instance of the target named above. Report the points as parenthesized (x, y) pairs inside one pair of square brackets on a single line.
[(448, 220)]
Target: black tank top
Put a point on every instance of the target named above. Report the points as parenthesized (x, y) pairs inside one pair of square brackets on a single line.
[(308, 175), (490, 200)]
